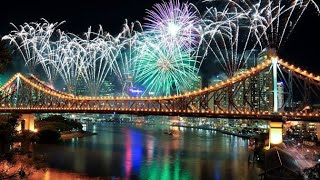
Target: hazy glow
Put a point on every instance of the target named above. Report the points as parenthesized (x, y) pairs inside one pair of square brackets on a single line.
[(173, 29)]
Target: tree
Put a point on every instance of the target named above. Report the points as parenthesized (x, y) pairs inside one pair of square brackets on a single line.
[(49, 136), (5, 56), (15, 161), (8, 129)]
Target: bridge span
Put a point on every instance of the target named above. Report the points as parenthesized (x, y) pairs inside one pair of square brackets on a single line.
[(273, 90)]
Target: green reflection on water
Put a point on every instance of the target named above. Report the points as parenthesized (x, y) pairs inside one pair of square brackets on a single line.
[(163, 170)]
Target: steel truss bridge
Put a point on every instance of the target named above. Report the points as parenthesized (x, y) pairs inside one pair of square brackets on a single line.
[(273, 90)]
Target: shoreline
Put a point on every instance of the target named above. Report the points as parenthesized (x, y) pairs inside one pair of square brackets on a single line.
[(219, 130), (76, 135), (204, 128)]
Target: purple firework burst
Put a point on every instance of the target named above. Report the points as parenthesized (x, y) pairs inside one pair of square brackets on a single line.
[(174, 23)]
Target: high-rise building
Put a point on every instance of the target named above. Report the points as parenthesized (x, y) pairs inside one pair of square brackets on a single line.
[(280, 95), (128, 84), (251, 58), (212, 83), (261, 95), (81, 87), (107, 89), (264, 83)]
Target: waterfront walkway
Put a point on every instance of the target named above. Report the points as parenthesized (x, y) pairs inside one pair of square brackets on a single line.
[(306, 156)]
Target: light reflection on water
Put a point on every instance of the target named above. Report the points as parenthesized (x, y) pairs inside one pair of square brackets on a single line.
[(130, 152)]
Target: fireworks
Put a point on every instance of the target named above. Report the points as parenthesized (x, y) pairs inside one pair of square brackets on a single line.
[(68, 55), (33, 42), (71, 62), (273, 21), (223, 40), (164, 56), (234, 31), (128, 39), (174, 23), (171, 68), (164, 70), (99, 55)]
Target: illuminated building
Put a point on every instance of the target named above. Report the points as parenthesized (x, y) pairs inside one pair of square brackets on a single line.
[(81, 88), (252, 59), (214, 81), (107, 89), (128, 84), (135, 92), (280, 87)]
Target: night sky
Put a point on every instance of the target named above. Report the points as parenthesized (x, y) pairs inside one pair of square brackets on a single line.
[(302, 48)]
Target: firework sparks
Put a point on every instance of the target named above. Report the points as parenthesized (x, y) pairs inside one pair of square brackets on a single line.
[(222, 33), (234, 31), (174, 23), (273, 21), (128, 39), (33, 42), (165, 58), (165, 71), (101, 52)]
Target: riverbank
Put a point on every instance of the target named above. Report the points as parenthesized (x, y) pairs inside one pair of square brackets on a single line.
[(76, 135), (219, 130)]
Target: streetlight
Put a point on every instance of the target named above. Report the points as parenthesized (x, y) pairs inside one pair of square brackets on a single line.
[(73, 117)]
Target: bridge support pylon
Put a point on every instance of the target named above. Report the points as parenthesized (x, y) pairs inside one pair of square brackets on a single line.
[(27, 122), (275, 133)]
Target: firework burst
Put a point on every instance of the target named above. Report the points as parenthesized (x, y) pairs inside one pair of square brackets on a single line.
[(165, 71), (274, 20), (174, 23), (128, 39), (71, 61), (101, 52), (223, 39), (33, 40), (165, 58)]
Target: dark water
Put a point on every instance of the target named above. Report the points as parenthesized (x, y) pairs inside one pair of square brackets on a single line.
[(126, 151)]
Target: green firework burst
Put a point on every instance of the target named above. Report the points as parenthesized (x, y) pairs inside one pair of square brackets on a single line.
[(164, 70)]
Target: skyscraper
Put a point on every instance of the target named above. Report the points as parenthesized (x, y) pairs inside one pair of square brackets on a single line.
[(280, 87), (81, 87), (107, 89)]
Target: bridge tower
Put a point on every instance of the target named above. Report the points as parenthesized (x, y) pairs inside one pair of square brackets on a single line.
[(26, 122), (275, 127), (275, 133)]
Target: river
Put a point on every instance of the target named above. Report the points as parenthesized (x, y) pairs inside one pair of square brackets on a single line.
[(128, 151)]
